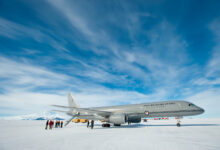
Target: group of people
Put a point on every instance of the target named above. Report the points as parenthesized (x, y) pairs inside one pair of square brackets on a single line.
[(92, 124), (50, 124)]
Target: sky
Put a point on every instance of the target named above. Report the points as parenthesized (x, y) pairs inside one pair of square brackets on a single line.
[(108, 53)]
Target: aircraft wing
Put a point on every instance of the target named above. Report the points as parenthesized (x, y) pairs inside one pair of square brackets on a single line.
[(85, 111)]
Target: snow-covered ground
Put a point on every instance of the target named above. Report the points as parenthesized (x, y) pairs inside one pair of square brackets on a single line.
[(194, 134)]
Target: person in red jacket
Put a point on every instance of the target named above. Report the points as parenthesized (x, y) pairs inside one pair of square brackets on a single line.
[(50, 124)]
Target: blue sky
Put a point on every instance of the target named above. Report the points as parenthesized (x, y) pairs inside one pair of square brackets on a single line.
[(108, 53)]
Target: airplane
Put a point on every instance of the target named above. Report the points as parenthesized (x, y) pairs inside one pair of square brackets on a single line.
[(132, 113)]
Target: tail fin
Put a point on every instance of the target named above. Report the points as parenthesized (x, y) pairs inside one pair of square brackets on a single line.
[(71, 101)]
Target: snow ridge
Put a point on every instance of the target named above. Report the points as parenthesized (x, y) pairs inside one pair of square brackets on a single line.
[(46, 115)]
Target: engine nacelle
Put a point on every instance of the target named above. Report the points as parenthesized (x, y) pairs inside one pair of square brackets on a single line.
[(76, 120), (117, 119), (133, 119)]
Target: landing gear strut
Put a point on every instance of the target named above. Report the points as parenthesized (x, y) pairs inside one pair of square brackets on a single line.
[(178, 122)]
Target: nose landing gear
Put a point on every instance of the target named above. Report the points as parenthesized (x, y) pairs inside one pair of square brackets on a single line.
[(178, 122)]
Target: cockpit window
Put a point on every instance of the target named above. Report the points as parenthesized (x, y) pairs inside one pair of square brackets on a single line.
[(191, 104)]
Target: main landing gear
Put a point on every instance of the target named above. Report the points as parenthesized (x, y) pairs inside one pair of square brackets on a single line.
[(105, 125), (117, 125)]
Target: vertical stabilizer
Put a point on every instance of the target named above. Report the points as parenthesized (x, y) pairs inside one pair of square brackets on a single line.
[(71, 101)]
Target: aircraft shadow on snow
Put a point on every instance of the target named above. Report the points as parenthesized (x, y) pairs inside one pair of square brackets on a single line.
[(157, 125)]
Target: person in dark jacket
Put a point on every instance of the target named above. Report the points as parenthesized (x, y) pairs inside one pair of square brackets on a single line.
[(56, 124), (92, 124), (47, 123), (88, 124), (61, 124)]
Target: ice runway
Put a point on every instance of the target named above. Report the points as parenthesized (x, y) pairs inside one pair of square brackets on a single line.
[(195, 134)]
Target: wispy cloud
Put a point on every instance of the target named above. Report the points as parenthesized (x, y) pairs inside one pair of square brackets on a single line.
[(27, 75), (29, 88), (16, 31), (213, 68)]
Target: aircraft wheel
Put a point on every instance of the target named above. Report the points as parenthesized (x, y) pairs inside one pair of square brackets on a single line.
[(106, 125), (178, 125), (117, 124)]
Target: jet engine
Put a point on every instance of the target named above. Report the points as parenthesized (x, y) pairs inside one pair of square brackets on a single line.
[(133, 119), (117, 119), (76, 120)]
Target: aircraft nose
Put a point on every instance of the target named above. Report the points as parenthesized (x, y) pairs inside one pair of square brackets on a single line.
[(202, 110)]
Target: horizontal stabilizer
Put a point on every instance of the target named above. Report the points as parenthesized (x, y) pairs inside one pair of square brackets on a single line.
[(60, 111), (66, 112)]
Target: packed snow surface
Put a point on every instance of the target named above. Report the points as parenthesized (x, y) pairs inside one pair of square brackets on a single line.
[(194, 134)]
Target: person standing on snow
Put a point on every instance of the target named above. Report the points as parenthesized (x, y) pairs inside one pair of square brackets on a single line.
[(50, 124), (47, 123), (56, 124), (88, 124), (61, 124), (92, 124)]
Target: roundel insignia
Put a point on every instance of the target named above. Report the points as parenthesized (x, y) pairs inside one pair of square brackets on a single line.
[(146, 113)]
